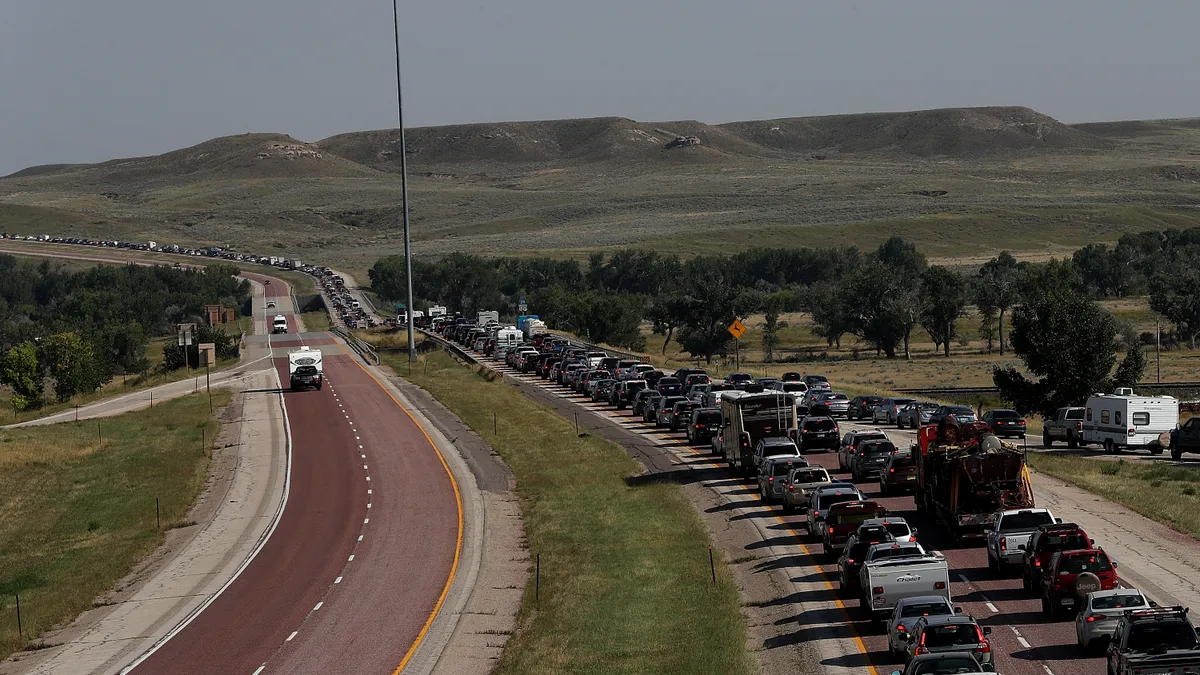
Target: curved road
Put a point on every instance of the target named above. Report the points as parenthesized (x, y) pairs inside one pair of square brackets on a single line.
[(362, 553), (366, 547)]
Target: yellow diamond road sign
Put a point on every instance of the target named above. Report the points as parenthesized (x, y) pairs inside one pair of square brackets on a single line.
[(737, 329)]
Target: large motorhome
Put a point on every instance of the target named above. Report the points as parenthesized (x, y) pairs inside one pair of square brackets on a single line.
[(305, 368), (748, 418), (279, 325)]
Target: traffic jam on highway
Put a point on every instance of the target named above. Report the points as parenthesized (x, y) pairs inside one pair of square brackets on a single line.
[(932, 538)]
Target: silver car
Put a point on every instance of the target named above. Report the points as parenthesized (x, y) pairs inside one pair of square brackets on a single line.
[(773, 476), (888, 410), (1097, 620), (915, 414), (801, 484)]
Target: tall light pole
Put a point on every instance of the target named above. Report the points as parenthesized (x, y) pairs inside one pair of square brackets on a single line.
[(412, 338)]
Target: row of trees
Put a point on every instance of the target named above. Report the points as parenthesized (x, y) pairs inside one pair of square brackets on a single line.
[(80, 328)]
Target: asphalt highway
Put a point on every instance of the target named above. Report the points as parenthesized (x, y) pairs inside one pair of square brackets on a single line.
[(1024, 641), (365, 548)]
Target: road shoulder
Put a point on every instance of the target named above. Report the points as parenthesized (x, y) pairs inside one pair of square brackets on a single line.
[(240, 502), (469, 633)]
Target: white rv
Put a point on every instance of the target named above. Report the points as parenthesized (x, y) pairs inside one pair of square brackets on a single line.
[(436, 311), (279, 325), (1125, 420), (305, 368), (534, 327), (508, 338)]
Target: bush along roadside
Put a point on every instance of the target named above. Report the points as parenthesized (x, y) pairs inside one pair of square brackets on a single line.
[(80, 510), (625, 583)]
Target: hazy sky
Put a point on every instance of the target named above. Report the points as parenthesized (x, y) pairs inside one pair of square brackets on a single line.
[(83, 81)]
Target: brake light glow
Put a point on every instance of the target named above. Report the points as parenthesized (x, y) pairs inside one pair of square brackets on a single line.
[(1004, 542), (878, 590), (939, 585), (1097, 617)]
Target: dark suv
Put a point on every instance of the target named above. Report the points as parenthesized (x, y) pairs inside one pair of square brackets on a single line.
[(862, 407), (899, 474), (817, 433), (705, 423)]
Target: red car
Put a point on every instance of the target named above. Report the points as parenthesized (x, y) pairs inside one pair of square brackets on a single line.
[(1071, 575)]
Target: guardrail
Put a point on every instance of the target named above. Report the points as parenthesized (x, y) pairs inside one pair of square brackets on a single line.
[(964, 391), (364, 350)]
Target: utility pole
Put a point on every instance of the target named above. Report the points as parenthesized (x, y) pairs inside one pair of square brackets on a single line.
[(412, 339), (1158, 352)]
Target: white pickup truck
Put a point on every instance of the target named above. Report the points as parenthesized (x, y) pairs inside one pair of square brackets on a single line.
[(887, 581), (1010, 535)]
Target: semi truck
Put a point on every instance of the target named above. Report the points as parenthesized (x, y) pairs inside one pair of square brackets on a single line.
[(966, 475), (304, 368)]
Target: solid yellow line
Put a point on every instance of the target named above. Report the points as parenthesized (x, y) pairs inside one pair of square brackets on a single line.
[(458, 501)]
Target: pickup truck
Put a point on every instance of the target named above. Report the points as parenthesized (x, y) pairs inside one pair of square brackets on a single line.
[(1066, 426), (1010, 534), (1153, 642), (1045, 542), (887, 581), (843, 520)]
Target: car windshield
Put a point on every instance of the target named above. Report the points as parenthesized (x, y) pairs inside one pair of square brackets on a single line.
[(635, 386), (898, 529), (781, 469), (950, 666), (953, 635), (869, 436), (1025, 521), (1119, 601), (831, 499), (810, 476), (1075, 414), (878, 449), (903, 461), (855, 517), (709, 417), (825, 424), (926, 609), (1063, 542), (1078, 564), (1169, 634), (929, 406), (895, 552), (836, 397)]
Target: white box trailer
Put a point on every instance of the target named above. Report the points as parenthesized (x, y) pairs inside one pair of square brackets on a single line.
[(534, 327), (486, 317), (436, 311), (1126, 420), (305, 368)]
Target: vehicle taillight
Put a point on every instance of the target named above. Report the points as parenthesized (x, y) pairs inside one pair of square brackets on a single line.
[(770, 479), (1078, 425), (791, 488), (891, 471), (1132, 430), (901, 629), (1037, 562), (1003, 542), (878, 590), (939, 585), (1096, 617), (830, 529)]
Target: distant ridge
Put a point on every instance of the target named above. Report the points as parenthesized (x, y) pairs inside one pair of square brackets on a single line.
[(225, 158), (948, 132)]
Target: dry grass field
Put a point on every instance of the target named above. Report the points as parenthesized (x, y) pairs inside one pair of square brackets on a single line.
[(963, 183)]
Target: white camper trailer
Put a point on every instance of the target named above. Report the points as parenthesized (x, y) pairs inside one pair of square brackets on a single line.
[(279, 325), (1126, 420), (305, 368)]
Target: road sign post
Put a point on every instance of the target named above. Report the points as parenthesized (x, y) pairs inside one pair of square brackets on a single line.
[(737, 329)]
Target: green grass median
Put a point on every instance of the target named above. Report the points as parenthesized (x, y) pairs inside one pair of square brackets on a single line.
[(1167, 493), (77, 505), (625, 580)]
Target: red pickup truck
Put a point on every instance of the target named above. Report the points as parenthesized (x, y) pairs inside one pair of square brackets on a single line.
[(843, 520), (1071, 575), (1043, 544)]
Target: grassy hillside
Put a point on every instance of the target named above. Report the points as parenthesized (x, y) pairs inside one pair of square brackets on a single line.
[(963, 181)]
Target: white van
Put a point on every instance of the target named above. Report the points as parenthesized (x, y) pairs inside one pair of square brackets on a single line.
[(1126, 420)]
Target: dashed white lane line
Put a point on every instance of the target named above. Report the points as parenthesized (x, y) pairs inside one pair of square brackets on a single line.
[(292, 636), (368, 505), (366, 520), (351, 559), (964, 578), (1047, 669), (337, 580), (368, 491), (260, 669), (992, 607), (368, 478), (1024, 642), (319, 604), (360, 537), (364, 466)]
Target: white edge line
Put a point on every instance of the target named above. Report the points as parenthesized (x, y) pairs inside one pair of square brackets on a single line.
[(260, 669), (262, 542), (1024, 642)]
